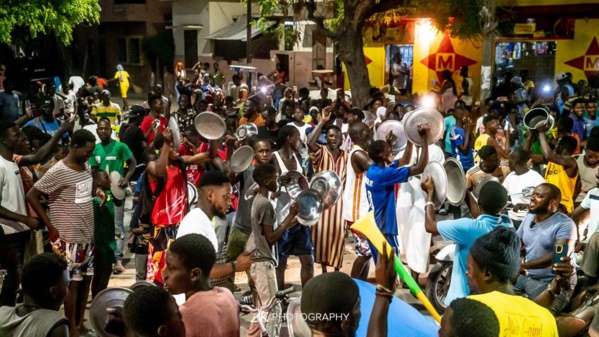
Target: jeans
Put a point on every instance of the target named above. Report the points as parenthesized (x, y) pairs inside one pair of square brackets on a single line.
[(531, 288), (119, 231)]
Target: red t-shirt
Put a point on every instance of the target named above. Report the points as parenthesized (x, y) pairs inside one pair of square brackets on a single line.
[(192, 172), (146, 125)]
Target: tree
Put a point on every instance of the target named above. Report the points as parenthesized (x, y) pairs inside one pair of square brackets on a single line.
[(44, 17), (342, 21)]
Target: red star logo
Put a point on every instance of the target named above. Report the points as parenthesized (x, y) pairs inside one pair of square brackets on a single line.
[(446, 58), (589, 62)]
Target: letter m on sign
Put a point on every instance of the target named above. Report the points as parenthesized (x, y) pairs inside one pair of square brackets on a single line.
[(445, 61), (591, 62)]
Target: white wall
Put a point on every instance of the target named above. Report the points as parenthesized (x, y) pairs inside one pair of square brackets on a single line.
[(213, 16)]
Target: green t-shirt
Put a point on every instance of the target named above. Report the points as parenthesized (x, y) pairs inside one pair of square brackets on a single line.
[(114, 155), (104, 239)]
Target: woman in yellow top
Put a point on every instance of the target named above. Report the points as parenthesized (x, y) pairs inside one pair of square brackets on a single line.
[(124, 81), (562, 169)]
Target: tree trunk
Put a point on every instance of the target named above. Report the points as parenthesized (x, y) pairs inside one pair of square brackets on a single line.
[(488, 45), (351, 53)]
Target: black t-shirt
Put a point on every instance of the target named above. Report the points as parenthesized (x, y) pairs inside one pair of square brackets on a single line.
[(265, 133), (133, 137)]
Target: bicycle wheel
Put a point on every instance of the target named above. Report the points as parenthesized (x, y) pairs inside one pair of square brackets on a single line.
[(271, 320)]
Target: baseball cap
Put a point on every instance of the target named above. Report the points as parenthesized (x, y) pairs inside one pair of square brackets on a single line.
[(560, 76), (136, 111)]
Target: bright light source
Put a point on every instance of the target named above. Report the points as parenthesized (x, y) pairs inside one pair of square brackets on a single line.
[(264, 90), (546, 88), (426, 31), (428, 101)]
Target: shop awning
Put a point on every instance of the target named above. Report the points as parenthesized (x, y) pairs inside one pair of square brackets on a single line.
[(236, 31)]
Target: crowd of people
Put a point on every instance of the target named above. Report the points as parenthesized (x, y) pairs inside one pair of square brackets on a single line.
[(68, 162)]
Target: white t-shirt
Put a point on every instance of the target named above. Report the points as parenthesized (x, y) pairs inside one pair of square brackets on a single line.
[(13, 195), (302, 130), (514, 184), (58, 104), (197, 222), (591, 201), (77, 82)]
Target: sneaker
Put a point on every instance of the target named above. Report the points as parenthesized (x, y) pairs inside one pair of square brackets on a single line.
[(246, 300), (442, 211)]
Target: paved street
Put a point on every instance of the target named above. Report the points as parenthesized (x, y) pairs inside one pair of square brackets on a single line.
[(127, 278)]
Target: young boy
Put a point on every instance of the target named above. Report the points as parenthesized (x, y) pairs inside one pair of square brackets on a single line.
[(265, 236), (104, 239), (153, 312), (207, 311)]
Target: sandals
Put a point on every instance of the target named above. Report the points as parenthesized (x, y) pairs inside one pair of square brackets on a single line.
[(118, 268)]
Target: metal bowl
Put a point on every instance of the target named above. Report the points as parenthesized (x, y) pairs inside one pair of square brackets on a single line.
[(310, 207), (328, 184), (246, 131), (241, 159), (210, 125), (398, 130), (296, 185), (141, 284), (174, 126), (436, 171), (428, 116), (456, 181), (107, 298)]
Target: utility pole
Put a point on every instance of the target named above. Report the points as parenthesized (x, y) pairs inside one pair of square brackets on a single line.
[(248, 46), (487, 14)]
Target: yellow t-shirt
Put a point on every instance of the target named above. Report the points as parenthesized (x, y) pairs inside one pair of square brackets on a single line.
[(518, 316), (556, 175), (478, 144), (125, 79)]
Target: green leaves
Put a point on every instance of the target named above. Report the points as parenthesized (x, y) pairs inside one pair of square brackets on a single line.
[(58, 17)]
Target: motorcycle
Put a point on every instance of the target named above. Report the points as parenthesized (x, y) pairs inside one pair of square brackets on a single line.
[(439, 278)]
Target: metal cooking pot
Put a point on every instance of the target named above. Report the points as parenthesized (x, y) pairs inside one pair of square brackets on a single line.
[(310, 207), (210, 125), (398, 130), (437, 172), (328, 184), (241, 159), (537, 117), (296, 185), (428, 116), (246, 131), (174, 126), (107, 298), (456, 181)]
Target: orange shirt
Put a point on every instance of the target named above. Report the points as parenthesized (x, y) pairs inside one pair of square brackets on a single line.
[(257, 120)]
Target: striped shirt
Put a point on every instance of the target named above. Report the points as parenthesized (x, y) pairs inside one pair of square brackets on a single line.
[(111, 111), (475, 174), (328, 234), (71, 208)]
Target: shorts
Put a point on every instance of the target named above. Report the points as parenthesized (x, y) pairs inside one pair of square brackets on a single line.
[(296, 241), (360, 242), (78, 256)]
